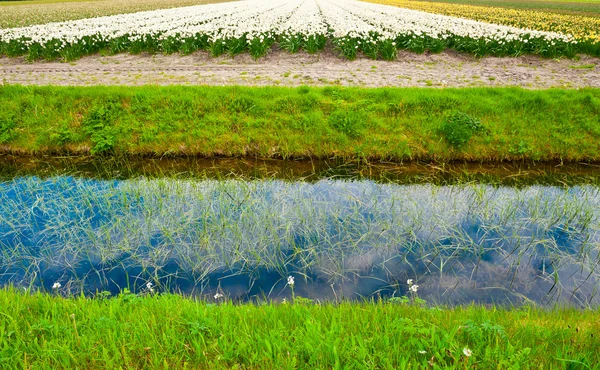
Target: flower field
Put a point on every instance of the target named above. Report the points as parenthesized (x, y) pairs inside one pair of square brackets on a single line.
[(25, 13), (586, 29), (352, 27)]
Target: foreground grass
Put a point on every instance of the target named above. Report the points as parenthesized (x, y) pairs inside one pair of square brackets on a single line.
[(27, 13), (484, 124), (168, 331)]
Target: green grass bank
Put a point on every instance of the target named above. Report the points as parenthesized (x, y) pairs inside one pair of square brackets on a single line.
[(45, 331), (478, 124)]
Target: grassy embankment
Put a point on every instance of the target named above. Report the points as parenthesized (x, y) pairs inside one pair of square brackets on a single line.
[(172, 332), (345, 123)]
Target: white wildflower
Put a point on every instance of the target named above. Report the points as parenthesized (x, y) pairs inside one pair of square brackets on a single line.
[(409, 281), (467, 352), (414, 288), (56, 285), (290, 281), (218, 295)]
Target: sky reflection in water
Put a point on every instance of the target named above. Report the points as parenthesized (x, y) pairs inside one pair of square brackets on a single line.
[(339, 239)]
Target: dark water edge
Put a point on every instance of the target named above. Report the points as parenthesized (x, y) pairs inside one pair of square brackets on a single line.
[(121, 168), (339, 238)]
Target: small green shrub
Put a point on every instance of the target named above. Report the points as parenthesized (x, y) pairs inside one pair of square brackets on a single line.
[(458, 129), (349, 122)]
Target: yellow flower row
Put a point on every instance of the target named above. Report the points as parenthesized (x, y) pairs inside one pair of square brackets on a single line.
[(583, 28)]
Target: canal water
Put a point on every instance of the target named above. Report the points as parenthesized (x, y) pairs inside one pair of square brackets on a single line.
[(339, 237)]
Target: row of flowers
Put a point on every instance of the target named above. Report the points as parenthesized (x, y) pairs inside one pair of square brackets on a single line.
[(586, 29), (23, 14), (255, 26)]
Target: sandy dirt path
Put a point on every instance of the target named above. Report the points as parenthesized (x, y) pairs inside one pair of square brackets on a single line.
[(448, 69)]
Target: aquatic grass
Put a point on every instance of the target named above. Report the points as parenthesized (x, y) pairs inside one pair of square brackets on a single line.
[(340, 238), (162, 330)]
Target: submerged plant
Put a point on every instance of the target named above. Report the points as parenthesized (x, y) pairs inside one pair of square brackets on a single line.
[(347, 238)]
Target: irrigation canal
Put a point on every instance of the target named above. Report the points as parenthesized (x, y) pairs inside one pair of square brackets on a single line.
[(340, 233)]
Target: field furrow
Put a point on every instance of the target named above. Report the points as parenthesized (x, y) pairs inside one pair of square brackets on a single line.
[(446, 69)]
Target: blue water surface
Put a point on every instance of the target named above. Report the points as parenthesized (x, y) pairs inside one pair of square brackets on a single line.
[(339, 239)]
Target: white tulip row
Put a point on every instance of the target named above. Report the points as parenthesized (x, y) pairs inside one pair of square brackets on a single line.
[(267, 21), (405, 21), (306, 21)]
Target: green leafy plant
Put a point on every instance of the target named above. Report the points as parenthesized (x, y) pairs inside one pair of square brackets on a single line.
[(483, 332), (520, 149), (99, 125), (458, 129), (62, 135), (400, 300)]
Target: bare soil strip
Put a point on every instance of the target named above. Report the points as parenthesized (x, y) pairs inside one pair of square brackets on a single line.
[(448, 69)]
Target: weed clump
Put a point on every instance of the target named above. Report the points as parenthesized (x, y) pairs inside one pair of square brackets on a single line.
[(99, 125), (63, 134), (348, 122), (241, 105), (7, 126), (458, 129)]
